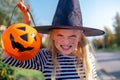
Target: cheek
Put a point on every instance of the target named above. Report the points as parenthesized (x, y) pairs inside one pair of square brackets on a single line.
[(58, 40), (74, 41)]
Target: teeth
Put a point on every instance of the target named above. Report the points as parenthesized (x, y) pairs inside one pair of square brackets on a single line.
[(66, 47)]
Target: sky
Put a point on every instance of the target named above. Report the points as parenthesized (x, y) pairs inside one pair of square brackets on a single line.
[(95, 13)]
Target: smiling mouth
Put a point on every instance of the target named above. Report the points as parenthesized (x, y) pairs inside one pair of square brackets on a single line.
[(65, 47)]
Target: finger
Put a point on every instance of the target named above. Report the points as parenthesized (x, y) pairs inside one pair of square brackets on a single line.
[(22, 1), (28, 6)]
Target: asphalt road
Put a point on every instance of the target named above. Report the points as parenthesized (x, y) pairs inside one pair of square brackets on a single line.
[(108, 65)]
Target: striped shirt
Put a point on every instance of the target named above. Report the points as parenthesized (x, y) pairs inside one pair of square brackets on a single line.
[(43, 62)]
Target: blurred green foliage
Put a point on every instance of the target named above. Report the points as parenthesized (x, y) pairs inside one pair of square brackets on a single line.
[(6, 71), (28, 74)]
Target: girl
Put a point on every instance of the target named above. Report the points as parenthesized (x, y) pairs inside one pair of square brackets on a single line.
[(67, 56)]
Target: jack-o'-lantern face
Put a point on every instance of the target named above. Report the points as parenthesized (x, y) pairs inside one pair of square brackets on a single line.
[(21, 41)]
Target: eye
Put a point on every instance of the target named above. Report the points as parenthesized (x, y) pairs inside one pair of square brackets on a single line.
[(24, 37), (22, 28), (72, 36), (59, 36)]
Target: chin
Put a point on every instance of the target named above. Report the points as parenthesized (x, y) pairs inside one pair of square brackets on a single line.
[(66, 53)]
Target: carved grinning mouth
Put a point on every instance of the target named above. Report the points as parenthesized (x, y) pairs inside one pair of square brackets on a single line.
[(18, 45)]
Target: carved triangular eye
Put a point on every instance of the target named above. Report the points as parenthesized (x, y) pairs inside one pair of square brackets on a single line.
[(24, 37), (22, 28), (11, 37)]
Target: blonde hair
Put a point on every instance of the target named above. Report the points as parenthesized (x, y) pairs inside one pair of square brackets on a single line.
[(82, 54)]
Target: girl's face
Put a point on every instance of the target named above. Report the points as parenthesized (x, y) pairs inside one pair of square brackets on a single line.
[(66, 41)]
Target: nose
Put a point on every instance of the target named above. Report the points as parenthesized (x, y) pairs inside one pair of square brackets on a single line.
[(65, 41)]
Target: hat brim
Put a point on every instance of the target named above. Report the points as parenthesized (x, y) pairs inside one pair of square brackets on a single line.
[(87, 31)]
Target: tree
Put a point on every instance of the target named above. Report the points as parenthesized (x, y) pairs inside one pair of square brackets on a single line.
[(6, 11), (98, 43), (117, 29), (109, 38)]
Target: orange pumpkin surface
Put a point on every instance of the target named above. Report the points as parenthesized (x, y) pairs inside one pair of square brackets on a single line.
[(21, 41)]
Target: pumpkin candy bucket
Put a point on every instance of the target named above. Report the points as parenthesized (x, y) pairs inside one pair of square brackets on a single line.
[(21, 41)]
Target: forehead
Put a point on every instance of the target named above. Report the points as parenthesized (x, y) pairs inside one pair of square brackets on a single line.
[(66, 31)]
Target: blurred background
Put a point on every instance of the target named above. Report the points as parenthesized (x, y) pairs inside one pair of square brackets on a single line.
[(102, 14)]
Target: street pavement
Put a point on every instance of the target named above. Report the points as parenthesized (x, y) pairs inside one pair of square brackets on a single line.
[(108, 65)]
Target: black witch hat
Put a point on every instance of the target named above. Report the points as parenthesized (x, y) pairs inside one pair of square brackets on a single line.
[(68, 16)]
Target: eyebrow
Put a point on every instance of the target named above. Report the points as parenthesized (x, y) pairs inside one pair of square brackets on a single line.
[(72, 36), (68, 36), (59, 35)]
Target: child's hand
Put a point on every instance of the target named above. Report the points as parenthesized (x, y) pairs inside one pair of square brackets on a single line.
[(24, 9)]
